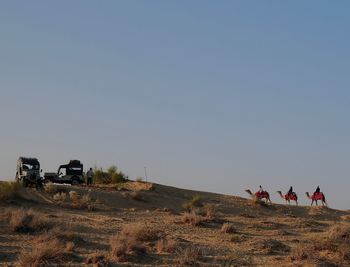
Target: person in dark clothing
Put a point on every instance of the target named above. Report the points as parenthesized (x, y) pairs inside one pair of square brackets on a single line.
[(90, 175), (317, 189), (290, 190)]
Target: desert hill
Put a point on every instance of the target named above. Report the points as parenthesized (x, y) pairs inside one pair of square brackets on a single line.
[(143, 224)]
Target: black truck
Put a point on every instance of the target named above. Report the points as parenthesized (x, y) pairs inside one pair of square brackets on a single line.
[(71, 173)]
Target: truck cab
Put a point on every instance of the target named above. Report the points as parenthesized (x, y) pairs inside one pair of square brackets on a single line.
[(71, 173), (28, 171)]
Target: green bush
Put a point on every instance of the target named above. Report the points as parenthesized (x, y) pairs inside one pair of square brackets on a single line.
[(193, 203), (111, 176)]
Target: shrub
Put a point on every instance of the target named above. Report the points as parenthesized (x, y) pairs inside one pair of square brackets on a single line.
[(25, 221), (195, 202), (115, 175), (166, 245), (97, 259), (192, 218), (140, 232), (70, 246), (260, 203), (131, 240), (122, 246), (190, 256), (84, 202), (337, 240), (210, 211), (65, 234), (50, 188), (112, 175), (60, 197), (74, 197), (301, 252), (272, 246), (9, 189), (44, 251), (228, 228), (86, 199), (99, 176)]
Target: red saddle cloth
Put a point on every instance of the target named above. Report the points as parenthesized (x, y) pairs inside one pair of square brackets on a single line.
[(262, 194), (292, 196), (318, 196)]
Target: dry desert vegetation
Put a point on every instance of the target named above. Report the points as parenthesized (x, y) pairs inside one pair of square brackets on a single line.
[(143, 224)]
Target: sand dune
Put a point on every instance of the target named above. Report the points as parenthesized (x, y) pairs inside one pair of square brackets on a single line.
[(142, 224)]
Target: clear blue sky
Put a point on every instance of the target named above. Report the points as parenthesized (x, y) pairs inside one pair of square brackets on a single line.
[(217, 96)]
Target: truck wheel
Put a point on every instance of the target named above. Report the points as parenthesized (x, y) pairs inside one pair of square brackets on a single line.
[(25, 183), (39, 185), (75, 182)]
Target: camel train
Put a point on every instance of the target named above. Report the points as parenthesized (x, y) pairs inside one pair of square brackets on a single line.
[(263, 195)]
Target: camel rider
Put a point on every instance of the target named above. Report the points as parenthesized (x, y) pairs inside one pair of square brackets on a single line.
[(261, 189), (290, 192), (317, 190)]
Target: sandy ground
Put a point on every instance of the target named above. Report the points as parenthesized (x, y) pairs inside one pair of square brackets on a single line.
[(264, 235)]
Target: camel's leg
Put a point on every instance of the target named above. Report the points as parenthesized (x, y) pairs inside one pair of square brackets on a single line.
[(312, 202), (296, 202), (316, 202)]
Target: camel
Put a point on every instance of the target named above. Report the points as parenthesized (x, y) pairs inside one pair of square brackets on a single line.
[(260, 195), (289, 196), (317, 196)]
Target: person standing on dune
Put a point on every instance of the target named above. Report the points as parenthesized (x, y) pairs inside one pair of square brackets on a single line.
[(90, 175)]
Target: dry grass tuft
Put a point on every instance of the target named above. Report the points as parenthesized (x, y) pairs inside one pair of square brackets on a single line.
[(26, 221), (210, 211), (193, 203), (165, 245), (192, 218), (345, 218), (44, 251), (9, 189), (70, 246), (339, 233), (141, 232), (84, 202), (50, 188), (74, 197), (301, 253), (122, 247), (131, 241), (190, 256), (335, 240), (259, 203), (228, 228), (65, 234), (60, 196), (332, 246), (97, 259), (272, 246)]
